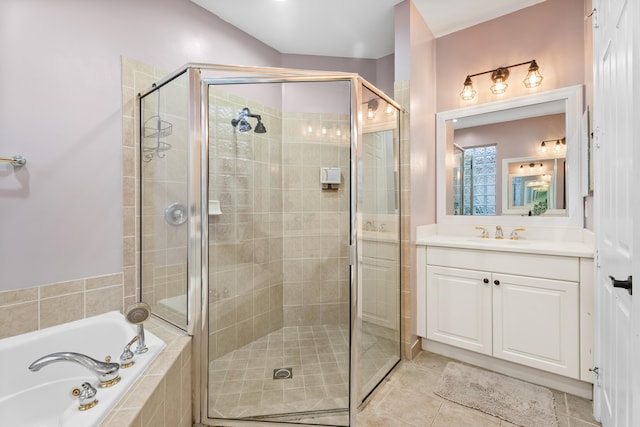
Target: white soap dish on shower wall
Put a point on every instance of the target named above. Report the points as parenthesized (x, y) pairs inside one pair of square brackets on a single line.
[(214, 207)]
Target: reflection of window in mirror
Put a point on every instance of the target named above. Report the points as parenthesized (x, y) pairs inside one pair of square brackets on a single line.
[(478, 184)]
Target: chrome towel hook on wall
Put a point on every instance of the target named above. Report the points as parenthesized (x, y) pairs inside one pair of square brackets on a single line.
[(17, 160)]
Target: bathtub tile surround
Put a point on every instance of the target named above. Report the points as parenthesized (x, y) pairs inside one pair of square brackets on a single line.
[(162, 397), (31, 309)]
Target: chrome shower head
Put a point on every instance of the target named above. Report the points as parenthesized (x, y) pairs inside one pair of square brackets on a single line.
[(243, 125)]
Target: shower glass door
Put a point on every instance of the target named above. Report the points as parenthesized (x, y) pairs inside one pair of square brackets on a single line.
[(279, 271), (379, 241)]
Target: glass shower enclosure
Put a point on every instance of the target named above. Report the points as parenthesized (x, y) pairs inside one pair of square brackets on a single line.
[(270, 231)]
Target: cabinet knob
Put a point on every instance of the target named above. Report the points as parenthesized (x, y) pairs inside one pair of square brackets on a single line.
[(485, 280), (496, 282)]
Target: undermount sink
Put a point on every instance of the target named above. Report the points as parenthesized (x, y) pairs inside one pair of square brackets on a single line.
[(498, 241)]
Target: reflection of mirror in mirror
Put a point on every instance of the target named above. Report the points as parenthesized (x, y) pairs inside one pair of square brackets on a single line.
[(516, 128), (534, 186)]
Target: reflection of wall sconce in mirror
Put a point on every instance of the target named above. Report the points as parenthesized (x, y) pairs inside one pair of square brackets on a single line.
[(543, 147), (372, 107), (560, 144), (389, 111), (531, 167), (338, 131), (499, 77), (324, 130)]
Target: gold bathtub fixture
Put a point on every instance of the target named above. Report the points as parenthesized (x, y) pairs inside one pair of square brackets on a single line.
[(86, 395), (126, 358)]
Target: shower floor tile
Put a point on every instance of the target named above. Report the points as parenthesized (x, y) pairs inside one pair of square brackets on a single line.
[(242, 385)]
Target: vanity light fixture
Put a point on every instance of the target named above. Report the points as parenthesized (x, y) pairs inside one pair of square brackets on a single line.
[(499, 77), (560, 144)]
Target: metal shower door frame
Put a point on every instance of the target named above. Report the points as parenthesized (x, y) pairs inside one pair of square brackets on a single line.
[(198, 233)]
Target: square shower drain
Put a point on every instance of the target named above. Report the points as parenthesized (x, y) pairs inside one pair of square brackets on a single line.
[(282, 373)]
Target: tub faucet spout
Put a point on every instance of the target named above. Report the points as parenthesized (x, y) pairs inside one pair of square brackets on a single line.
[(107, 372)]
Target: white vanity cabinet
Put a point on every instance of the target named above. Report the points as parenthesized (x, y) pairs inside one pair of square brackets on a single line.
[(380, 277), (524, 308)]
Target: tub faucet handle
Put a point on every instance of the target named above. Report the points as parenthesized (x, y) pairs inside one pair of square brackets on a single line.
[(127, 355), (484, 234), (499, 234), (87, 397), (514, 233)]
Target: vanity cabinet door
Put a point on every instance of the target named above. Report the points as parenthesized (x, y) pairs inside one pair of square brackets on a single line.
[(380, 301), (459, 308), (536, 323)]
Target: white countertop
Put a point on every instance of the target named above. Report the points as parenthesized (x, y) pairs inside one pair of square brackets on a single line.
[(545, 247)]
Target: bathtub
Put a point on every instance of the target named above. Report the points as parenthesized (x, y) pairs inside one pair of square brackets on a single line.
[(44, 398)]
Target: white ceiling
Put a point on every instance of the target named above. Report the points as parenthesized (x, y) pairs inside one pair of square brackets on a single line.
[(348, 28)]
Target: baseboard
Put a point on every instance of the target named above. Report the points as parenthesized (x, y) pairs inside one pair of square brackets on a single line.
[(521, 372), (416, 348)]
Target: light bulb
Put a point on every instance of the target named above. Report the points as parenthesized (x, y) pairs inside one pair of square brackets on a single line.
[(468, 92)]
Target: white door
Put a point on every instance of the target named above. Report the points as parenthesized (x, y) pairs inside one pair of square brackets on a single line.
[(616, 117)]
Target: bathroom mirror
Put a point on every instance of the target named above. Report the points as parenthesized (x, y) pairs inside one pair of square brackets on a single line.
[(473, 143)]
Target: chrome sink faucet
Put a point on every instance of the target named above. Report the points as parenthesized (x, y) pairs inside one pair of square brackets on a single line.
[(499, 234), (107, 372)]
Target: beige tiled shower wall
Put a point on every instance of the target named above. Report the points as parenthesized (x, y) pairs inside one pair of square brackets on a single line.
[(165, 167), (27, 310), (401, 96), (136, 78), (245, 240), (316, 220)]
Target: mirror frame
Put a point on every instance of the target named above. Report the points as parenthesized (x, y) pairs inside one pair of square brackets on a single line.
[(572, 97)]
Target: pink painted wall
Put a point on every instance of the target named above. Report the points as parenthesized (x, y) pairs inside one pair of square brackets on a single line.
[(60, 107), (415, 57), (552, 32)]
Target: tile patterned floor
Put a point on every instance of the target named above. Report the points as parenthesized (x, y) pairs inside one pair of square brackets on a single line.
[(407, 399), (244, 387)]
